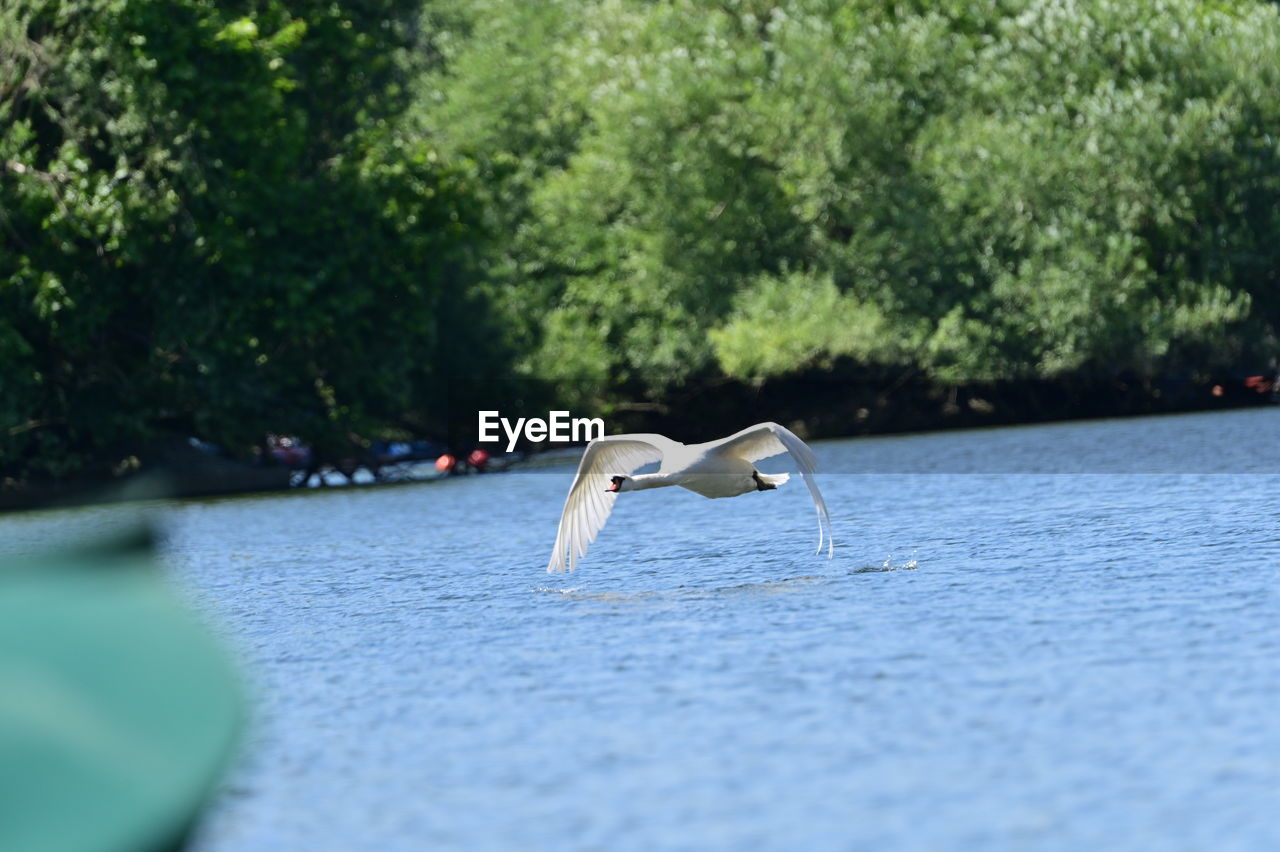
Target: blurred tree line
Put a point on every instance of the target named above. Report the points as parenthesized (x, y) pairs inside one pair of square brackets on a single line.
[(351, 220)]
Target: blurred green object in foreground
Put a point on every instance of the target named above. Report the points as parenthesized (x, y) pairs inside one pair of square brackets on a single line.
[(118, 711)]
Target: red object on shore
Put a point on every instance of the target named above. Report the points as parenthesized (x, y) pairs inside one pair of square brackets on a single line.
[(478, 459), (446, 462)]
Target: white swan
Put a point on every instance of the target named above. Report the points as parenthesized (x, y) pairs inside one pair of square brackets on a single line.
[(720, 468)]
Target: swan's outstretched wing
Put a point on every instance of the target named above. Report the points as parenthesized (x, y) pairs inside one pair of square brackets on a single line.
[(769, 439), (588, 505)]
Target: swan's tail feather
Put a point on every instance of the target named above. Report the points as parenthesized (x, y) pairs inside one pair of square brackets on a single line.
[(820, 531), (774, 479), (829, 539)]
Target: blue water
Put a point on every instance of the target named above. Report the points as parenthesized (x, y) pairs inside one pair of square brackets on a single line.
[(993, 659)]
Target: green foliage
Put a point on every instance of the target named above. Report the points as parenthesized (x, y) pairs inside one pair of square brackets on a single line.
[(984, 190), (781, 322), (349, 219), (215, 223)]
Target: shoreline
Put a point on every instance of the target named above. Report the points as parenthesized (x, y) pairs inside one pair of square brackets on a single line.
[(815, 407), (834, 405)]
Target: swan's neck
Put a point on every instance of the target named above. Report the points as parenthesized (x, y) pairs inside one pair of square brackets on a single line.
[(651, 480)]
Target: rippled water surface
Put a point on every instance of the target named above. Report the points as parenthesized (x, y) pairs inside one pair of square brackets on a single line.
[(1068, 658)]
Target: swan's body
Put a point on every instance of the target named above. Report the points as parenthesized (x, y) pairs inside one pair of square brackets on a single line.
[(723, 468)]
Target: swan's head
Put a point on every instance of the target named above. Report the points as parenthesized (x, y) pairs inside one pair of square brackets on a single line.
[(618, 484)]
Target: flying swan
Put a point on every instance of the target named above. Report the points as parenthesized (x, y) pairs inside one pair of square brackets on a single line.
[(720, 468)]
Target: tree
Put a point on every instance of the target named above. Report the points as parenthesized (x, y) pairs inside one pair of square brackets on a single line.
[(215, 224), (1006, 189)]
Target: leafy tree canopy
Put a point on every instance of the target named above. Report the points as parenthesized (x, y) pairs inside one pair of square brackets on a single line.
[(213, 223), (982, 190), (344, 220)]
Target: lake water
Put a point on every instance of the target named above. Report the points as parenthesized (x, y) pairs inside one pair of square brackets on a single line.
[(1057, 637)]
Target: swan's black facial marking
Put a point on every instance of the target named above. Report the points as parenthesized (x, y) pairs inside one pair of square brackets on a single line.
[(617, 483)]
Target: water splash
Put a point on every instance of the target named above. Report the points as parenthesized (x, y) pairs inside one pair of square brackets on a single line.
[(888, 565)]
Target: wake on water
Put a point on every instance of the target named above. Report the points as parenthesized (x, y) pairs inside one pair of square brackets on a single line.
[(888, 564)]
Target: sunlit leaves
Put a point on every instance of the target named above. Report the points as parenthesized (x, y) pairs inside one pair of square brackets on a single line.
[(1014, 188), (783, 323), (215, 226)]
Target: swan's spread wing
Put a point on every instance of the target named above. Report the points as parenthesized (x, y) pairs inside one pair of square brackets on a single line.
[(588, 505), (769, 439)]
